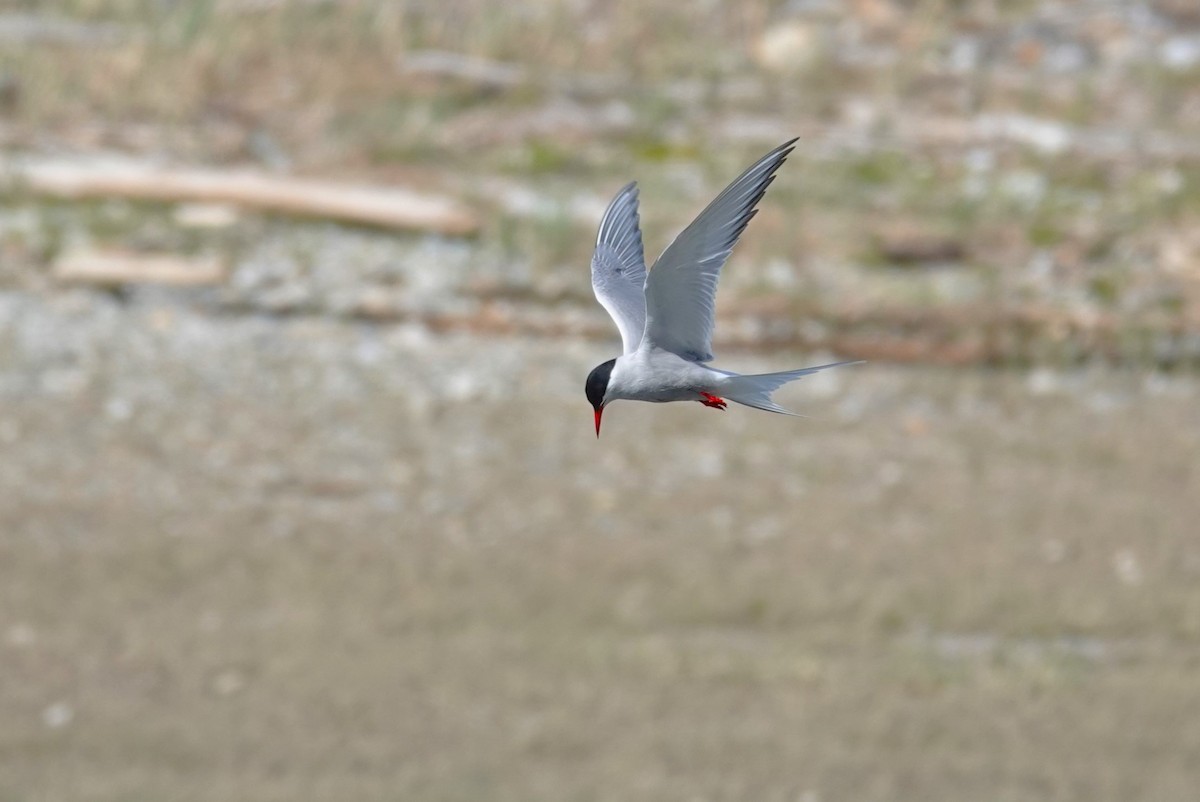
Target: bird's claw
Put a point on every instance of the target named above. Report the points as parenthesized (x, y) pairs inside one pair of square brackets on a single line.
[(713, 401)]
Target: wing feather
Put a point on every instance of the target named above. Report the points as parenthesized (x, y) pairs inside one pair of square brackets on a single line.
[(619, 267), (682, 288)]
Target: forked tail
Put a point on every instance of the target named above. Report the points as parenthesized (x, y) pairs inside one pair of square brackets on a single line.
[(755, 391)]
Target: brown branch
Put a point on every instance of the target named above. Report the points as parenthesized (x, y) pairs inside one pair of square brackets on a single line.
[(113, 269), (390, 207)]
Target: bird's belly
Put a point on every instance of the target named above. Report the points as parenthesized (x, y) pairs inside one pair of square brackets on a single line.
[(663, 396), (660, 377), (681, 385)]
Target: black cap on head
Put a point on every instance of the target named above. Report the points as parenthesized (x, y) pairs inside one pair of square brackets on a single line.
[(597, 382)]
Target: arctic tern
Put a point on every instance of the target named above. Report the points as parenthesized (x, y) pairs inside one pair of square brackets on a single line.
[(665, 316)]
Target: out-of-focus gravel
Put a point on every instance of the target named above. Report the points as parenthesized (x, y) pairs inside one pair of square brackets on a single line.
[(321, 414), (306, 557)]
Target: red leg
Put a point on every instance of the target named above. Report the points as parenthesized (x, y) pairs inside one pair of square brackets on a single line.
[(710, 400)]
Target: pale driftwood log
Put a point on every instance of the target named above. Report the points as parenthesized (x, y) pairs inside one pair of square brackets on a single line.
[(114, 269), (389, 207)]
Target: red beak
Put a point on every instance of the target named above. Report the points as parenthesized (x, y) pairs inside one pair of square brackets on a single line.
[(599, 412)]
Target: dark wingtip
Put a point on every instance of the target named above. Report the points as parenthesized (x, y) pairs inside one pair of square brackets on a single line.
[(783, 151)]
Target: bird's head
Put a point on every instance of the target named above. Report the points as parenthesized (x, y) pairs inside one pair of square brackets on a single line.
[(597, 388)]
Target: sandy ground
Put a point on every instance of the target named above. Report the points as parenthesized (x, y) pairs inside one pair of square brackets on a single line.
[(255, 546), (260, 558)]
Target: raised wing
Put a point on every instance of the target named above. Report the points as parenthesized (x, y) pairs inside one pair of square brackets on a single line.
[(619, 268), (682, 289)]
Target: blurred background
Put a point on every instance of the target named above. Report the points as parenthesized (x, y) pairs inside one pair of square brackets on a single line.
[(299, 495)]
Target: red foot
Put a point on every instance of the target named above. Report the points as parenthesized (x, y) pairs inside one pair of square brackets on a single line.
[(709, 400)]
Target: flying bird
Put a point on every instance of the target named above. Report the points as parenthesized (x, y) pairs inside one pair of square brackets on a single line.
[(665, 316)]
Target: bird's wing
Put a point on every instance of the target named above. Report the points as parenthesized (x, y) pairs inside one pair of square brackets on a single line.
[(682, 289), (619, 268)]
